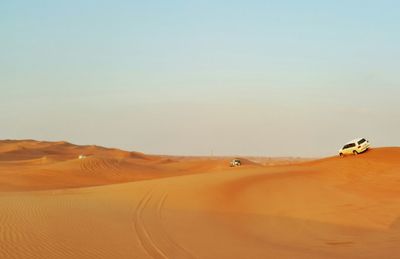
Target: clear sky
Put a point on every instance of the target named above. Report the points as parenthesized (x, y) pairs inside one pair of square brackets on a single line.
[(271, 78)]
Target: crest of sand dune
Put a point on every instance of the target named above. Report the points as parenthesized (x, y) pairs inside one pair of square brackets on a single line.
[(118, 204), (34, 165)]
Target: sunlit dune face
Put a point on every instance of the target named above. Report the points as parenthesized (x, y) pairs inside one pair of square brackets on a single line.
[(93, 202)]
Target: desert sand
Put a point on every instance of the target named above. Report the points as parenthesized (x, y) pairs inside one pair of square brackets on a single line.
[(118, 204)]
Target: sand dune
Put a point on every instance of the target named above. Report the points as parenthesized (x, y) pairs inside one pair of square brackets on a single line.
[(119, 205), (34, 165)]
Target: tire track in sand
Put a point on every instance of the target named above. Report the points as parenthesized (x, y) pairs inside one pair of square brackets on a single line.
[(150, 230)]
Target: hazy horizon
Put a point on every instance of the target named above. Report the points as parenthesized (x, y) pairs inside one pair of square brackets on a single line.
[(256, 78)]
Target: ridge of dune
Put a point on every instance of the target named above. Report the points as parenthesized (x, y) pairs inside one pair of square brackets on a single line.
[(326, 208), (332, 190), (30, 149), (37, 165)]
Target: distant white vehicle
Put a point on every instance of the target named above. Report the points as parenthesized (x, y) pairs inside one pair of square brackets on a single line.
[(235, 162), (354, 147), (82, 156)]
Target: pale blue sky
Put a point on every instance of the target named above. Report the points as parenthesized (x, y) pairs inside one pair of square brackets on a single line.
[(270, 78)]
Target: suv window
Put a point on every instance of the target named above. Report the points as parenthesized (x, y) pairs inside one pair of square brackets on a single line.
[(349, 145), (361, 141)]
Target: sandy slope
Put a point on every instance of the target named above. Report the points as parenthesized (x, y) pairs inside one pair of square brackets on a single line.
[(329, 208), (32, 165)]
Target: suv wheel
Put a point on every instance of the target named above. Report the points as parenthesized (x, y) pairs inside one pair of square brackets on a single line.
[(355, 152)]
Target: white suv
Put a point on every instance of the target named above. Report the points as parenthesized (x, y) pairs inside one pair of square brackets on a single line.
[(236, 162), (354, 147)]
